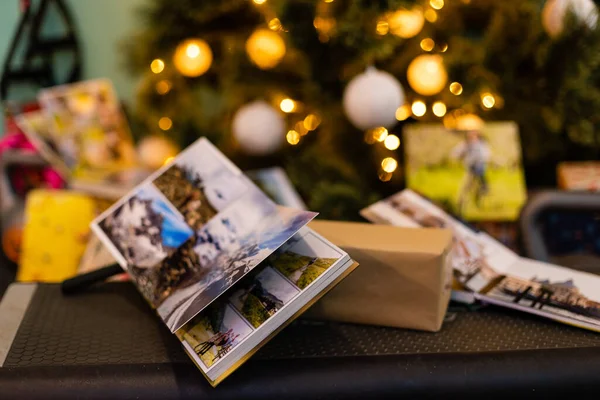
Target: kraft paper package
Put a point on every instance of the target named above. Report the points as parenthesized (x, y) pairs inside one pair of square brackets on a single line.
[(404, 279)]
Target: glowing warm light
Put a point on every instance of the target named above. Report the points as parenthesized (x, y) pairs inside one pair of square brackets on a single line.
[(431, 15), (275, 24), (369, 137), (427, 44), (406, 23), (439, 109), (168, 160), (165, 123), (437, 4), (328, 1), (157, 65), (312, 122), (325, 26), (427, 75), (193, 57), (392, 142), (444, 48), (292, 137), (163, 87), (192, 50), (488, 100), (419, 108), (389, 164), (287, 105), (403, 112), (265, 48), (384, 176), (379, 134), (382, 27), (259, 2), (300, 128), (456, 88)]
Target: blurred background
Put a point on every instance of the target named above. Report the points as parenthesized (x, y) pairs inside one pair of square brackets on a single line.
[(334, 92)]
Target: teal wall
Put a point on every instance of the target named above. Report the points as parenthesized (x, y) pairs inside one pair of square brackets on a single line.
[(101, 25)]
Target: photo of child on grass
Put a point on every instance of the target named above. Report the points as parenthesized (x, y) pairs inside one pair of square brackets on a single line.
[(475, 174)]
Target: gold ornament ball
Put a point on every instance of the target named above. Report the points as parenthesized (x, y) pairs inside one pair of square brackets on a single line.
[(265, 48), (426, 74), (193, 57), (406, 23), (153, 151)]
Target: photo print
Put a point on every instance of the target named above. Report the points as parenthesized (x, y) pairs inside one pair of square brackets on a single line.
[(216, 332), (260, 295), (88, 126), (145, 229), (304, 259), (477, 174)]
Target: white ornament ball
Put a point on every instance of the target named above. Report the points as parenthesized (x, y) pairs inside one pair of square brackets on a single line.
[(372, 98), (555, 11), (154, 151), (258, 128)]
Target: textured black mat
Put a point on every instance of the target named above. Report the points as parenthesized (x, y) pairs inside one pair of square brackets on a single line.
[(111, 325)]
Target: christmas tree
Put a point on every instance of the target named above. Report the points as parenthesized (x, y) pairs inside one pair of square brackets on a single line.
[(313, 85)]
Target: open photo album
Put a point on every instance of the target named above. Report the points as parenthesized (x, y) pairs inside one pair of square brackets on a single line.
[(490, 272), (81, 130), (223, 265)]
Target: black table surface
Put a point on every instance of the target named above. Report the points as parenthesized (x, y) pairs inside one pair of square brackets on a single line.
[(106, 343)]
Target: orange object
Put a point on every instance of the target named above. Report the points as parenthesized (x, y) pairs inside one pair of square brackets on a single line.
[(11, 242)]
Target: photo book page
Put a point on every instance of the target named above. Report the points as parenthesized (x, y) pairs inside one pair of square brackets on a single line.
[(495, 274), (211, 253)]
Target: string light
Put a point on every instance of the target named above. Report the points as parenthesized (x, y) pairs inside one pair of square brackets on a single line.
[(168, 160), (403, 112), (165, 123), (406, 23), (419, 108), (287, 105), (163, 87), (157, 65), (392, 142), (379, 134), (275, 24), (259, 2), (437, 4), (300, 128), (431, 15), (292, 137), (265, 48), (193, 57), (328, 1), (444, 48), (383, 27), (369, 137), (325, 27), (427, 44), (389, 164), (456, 88), (488, 100), (439, 109), (384, 176), (312, 122)]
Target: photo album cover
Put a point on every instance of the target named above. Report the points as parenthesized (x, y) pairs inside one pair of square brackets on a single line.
[(476, 174), (82, 131), (222, 264), (494, 274)]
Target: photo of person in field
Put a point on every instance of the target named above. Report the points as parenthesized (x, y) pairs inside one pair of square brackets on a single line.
[(475, 174)]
